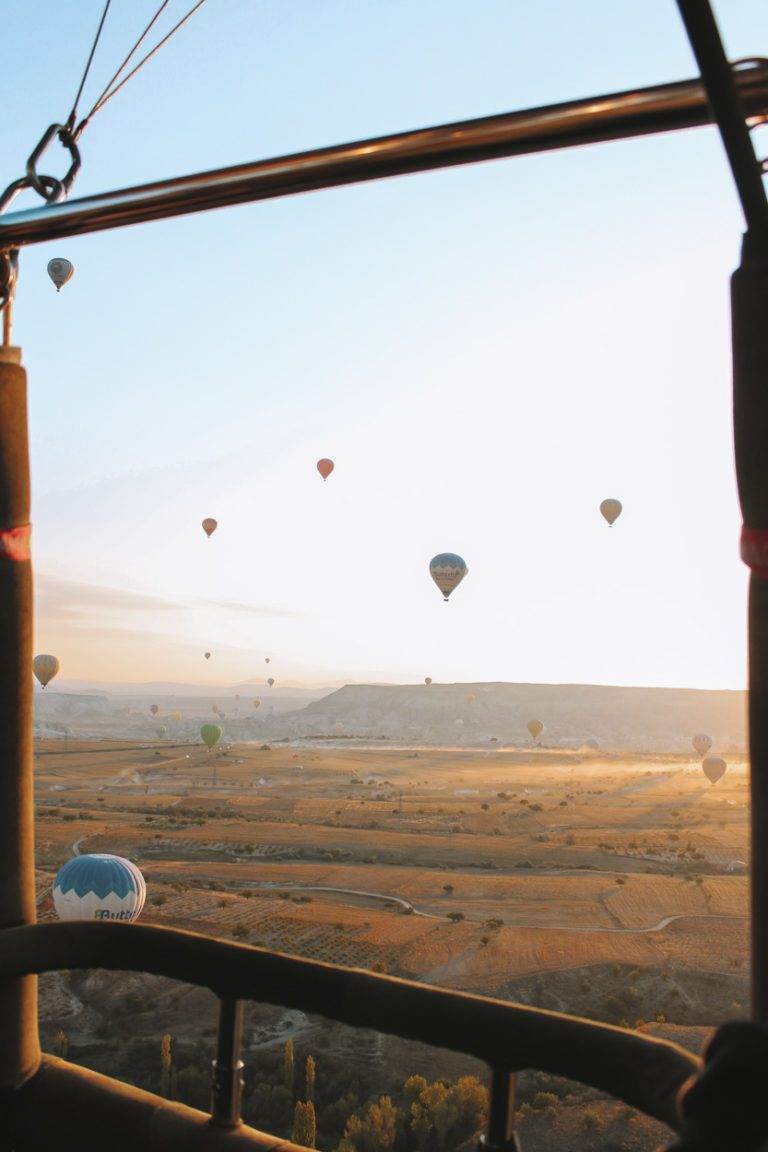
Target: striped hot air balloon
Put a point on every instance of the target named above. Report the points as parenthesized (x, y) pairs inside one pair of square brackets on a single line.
[(447, 570), (98, 886)]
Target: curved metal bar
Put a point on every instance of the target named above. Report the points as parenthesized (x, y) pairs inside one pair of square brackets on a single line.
[(644, 1072), (662, 108), (729, 112)]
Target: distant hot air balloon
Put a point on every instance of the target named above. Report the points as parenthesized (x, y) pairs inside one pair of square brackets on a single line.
[(267, 659), (45, 668), (459, 723), (325, 467), (427, 680), (494, 739), (702, 743), (211, 734), (611, 510), (257, 703), (154, 709), (271, 681), (161, 731), (714, 768), (210, 525), (177, 717), (447, 570), (97, 886), (535, 727), (470, 698), (207, 655), (60, 271)]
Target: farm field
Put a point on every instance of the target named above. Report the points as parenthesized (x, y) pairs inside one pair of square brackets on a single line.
[(612, 886), (474, 870)]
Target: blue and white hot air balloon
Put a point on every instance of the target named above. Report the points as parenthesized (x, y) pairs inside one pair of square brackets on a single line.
[(447, 570), (97, 886)]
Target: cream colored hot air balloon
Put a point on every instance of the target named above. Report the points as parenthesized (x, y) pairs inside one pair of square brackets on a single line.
[(714, 768), (257, 703), (427, 680), (611, 510), (210, 525), (325, 467), (60, 271), (45, 668), (154, 709), (702, 743), (447, 570), (535, 727), (271, 681)]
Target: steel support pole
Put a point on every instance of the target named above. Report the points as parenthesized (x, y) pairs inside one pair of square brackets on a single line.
[(19, 1045), (227, 1091), (749, 300)]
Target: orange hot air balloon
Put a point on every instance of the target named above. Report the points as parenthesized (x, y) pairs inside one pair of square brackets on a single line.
[(210, 525), (714, 768), (325, 467)]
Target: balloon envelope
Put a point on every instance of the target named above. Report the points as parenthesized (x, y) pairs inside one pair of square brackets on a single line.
[(325, 467), (211, 734), (447, 570), (60, 271), (535, 727), (210, 525), (45, 668), (271, 681), (714, 768), (470, 698), (702, 743), (267, 659), (257, 703), (98, 886), (207, 655), (154, 709), (427, 680), (611, 510)]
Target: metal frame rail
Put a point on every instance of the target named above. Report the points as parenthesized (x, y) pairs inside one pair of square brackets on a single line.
[(644, 1072), (39, 1092), (618, 115)]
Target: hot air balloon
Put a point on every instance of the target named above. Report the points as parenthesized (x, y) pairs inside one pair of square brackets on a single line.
[(271, 681), (60, 271), (207, 655), (447, 570), (714, 768), (267, 659), (427, 680), (611, 510), (177, 717), (257, 703), (702, 743), (210, 525), (154, 709), (470, 698), (535, 727), (325, 467), (45, 668), (211, 734), (97, 886), (161, 731), (459, 723)]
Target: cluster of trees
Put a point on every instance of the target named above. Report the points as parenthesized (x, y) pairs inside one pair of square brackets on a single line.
[(288, 1100)]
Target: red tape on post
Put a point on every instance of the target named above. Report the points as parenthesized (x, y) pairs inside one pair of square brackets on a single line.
[(14, 543), (754, 550)]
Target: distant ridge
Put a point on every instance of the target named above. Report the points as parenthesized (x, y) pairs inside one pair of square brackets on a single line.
[(649, 719)]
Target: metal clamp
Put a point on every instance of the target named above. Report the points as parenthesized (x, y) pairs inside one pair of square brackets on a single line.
[(51, 188)]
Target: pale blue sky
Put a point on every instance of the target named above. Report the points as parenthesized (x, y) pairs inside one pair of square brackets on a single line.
[(486, 352)]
